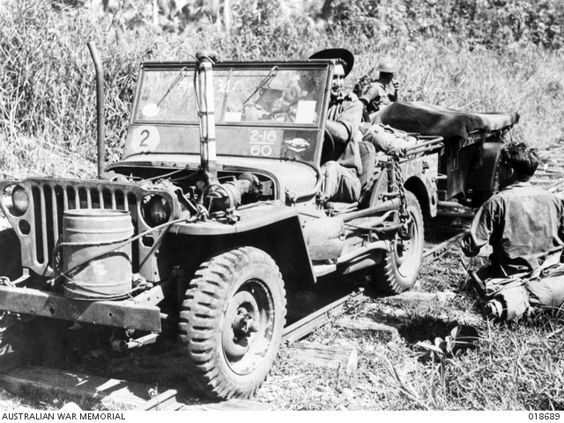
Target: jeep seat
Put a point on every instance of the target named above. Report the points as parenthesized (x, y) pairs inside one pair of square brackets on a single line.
[(429, 119)]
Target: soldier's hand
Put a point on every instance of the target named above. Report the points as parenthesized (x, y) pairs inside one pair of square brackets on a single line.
[(468, 246), (396, 84)]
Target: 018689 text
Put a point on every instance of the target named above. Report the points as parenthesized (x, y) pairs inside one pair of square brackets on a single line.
[(544, 416)]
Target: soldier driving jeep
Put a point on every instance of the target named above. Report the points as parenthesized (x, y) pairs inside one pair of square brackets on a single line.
[(343, 166), (525, 227), (345, 129)]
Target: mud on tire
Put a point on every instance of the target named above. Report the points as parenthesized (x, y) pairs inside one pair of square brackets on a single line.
[(398, 270), (231, 322)]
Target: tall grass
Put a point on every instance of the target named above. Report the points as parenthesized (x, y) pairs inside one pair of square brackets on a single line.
[(47, 78), (525, 81), (24, 156)]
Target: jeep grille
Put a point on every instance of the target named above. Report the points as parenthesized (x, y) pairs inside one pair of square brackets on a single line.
[(49, 198), (50, 201)]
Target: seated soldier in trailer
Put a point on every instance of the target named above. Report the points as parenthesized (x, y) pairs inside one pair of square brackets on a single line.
[(380, 92)]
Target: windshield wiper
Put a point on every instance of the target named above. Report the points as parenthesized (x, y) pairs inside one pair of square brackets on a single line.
[(265, 81), (173, 84)]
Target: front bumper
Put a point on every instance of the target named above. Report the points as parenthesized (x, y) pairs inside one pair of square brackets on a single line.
[(122, 314)]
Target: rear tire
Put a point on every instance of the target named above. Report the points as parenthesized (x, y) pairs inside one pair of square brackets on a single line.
[(399, 268), (231, 322)]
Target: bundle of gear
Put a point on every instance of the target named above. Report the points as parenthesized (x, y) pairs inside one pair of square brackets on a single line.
[(520, 295)]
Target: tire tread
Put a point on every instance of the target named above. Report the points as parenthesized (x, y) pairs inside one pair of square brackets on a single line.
[(200, 312)]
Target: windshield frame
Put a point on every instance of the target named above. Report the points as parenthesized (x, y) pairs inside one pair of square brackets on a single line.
[(225, 66), (326, 66)]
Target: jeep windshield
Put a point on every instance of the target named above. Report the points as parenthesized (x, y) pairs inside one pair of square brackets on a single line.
[(271, 110)]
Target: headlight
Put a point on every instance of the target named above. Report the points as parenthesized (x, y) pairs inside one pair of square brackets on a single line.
[(20, 200), (156, 210)]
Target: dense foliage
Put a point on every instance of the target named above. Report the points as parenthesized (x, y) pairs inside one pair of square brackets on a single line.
[(470, 54), (493, 23)]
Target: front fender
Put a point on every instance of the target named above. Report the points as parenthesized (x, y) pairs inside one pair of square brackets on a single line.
[(250, 219), (273, 228)]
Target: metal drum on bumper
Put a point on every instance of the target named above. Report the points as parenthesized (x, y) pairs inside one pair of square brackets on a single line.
[(96, 254)]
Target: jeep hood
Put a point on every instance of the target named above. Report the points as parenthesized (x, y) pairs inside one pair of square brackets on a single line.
[(300, 179)]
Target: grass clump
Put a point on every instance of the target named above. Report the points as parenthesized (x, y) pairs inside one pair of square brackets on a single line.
[(25, 157), (510, 369)]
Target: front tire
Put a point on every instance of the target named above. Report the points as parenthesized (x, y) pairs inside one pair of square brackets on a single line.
[(231, 322), (399, 268)]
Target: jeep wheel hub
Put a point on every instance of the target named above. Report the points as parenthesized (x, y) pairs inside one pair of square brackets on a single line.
[(247, 328)]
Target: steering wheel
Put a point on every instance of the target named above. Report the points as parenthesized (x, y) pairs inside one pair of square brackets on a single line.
[(329, 146)]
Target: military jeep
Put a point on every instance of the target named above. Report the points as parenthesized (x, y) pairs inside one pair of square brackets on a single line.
[(212, 217)]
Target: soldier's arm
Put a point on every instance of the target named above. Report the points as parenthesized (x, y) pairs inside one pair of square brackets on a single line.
[(372, 97), (347, 123), (468, 245), (338, 131), (481, 230)]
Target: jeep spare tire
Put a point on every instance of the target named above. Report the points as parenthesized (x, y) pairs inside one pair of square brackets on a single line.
[(398, 270), (231, 322)]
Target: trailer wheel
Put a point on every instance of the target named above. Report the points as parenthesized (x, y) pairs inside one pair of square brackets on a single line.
[(231, 322), (398, 270)]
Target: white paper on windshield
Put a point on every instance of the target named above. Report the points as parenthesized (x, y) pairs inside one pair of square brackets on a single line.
[(232, 116), (306, 111), (150, 110)]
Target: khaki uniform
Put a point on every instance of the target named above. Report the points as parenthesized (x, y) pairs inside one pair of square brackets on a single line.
[(525, 227), (342, 170), (522, 223)]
